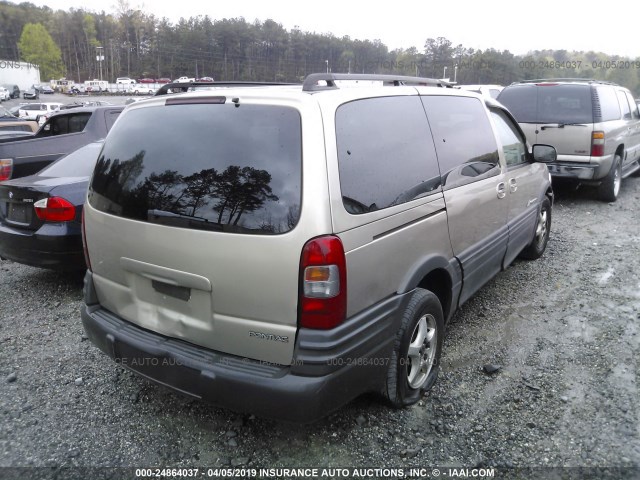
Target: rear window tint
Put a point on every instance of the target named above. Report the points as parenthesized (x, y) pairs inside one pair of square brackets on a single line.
[(203, 166), (549, 103)]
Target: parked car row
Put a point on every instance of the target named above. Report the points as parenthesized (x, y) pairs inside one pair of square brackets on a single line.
[(14, 90), (127, 80)]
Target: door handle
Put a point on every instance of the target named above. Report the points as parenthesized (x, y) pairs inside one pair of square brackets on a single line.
[(501, 189), (513, 185)]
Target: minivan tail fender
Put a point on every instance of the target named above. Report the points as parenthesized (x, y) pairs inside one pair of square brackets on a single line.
[(439, 275)]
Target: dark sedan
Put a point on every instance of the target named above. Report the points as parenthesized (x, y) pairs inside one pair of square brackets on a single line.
[(45, 89), (41, 215), (31, 94)]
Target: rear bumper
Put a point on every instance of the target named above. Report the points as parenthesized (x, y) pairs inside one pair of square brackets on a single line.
[(582, 171), (329, 368), (54, 246)]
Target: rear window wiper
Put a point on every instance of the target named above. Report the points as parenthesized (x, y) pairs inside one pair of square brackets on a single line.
[(164, 217), (166, 214), (562, 125)]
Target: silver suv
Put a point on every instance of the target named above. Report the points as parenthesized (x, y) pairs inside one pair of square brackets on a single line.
[(594, 126), (284, 249)]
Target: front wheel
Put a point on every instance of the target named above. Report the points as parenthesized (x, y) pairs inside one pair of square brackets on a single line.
[(610, 186), (538, 245), (416, 355)]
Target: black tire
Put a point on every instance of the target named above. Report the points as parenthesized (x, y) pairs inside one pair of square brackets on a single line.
[(415, 361), (610, 187), (538, 245), (38, 119)]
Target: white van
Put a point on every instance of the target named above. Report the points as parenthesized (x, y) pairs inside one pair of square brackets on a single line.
[(96, 85)]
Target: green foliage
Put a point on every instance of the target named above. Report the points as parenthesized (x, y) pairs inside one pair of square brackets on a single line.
[(37, 47), (136, 44)]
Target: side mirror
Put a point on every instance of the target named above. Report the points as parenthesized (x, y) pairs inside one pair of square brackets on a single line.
[(544, 153)]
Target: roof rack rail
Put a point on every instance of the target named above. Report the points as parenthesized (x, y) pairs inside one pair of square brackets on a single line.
[(589, 80), (185, 86), (311, 81)]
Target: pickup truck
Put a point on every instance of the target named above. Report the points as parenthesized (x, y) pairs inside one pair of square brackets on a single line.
[(62, 133), (184, 80)]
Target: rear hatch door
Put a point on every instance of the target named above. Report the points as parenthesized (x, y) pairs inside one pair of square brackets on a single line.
[(190, 223), (554, 114)]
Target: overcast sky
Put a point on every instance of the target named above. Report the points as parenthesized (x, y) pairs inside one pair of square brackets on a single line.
[(612, 27)]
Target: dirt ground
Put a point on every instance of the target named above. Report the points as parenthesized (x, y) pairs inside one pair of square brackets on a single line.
[(562, 333)]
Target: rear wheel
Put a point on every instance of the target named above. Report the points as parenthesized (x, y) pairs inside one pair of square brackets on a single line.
[(610, 187), (416, 355)]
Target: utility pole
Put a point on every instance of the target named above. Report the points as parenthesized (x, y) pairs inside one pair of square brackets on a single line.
[(100, 58)]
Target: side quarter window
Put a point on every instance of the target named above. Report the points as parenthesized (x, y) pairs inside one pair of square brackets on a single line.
[(512, 144), (624, 105), (386, 156), (634, 106), (609, 106), (465, 142), (110, 118), (78, 122)]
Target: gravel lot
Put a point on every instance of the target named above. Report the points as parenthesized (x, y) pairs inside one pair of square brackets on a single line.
[(561, 331)]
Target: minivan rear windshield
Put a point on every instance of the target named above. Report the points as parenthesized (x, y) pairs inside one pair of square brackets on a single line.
[(565, 104), (220, 167)]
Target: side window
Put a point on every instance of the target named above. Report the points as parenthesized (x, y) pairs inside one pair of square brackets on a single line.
[(59, 125), (110, 118), (634, 106), (609, 106), (53, 126), (513, 146), (624, 105), (385, 153), (78, 122), (465, 142)]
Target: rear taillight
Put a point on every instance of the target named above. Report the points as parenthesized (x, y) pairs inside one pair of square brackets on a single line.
[(55, 209), (597, 144), (6, 168), (84, 243), (323, 278)]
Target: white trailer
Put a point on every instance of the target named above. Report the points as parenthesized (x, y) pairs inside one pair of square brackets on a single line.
[(23, 74)]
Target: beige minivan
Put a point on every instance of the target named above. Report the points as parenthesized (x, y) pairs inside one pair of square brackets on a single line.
[(283, 249), (594, 126)]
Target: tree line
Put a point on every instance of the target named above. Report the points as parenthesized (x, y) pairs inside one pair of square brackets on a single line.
[(135, 44)]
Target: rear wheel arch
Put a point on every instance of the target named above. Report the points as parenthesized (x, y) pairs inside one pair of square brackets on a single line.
[(435, 274), (439, 283)]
